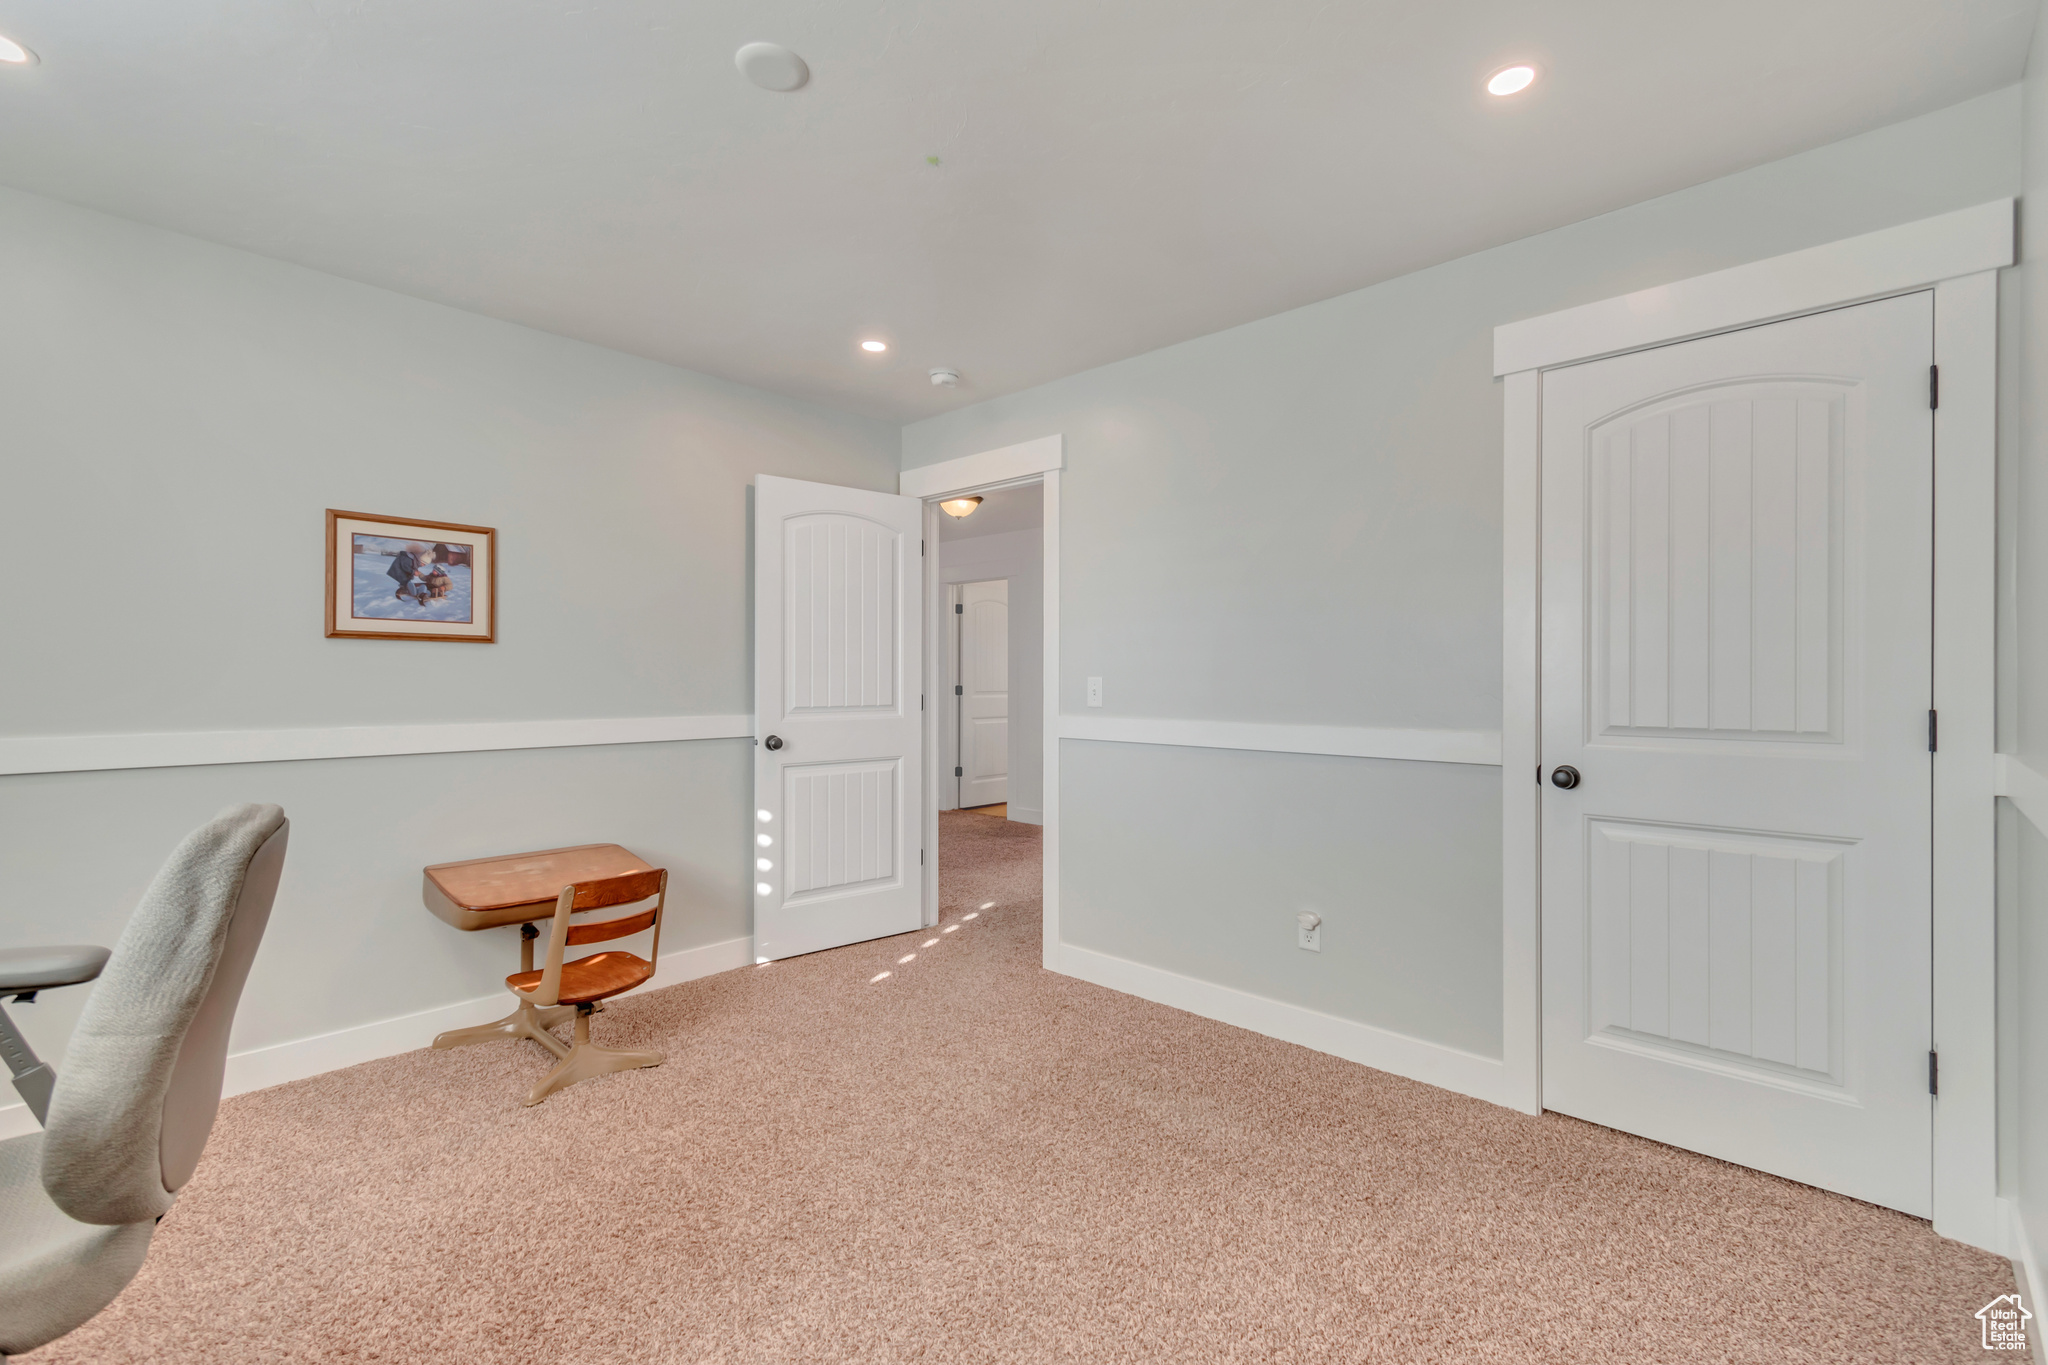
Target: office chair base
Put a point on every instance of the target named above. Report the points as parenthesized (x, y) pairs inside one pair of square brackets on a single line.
[(528, 1021)]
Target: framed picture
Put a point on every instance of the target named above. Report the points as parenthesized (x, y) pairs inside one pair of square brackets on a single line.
[(392, 578)]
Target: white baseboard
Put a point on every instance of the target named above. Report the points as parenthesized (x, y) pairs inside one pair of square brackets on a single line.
[(1431, 1063), (1027, 815), (2026, 1267), (260, 1068)]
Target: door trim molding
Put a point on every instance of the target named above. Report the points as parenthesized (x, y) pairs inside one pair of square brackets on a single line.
[(1957, 256), (1889, 261), (1010, 464), (1480, 747), (1037, 461), (24, 754)]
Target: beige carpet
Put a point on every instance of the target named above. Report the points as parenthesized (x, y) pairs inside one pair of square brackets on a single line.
[(973, 1160)]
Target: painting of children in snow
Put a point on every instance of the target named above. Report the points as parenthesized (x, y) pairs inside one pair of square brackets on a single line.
[(409, 580), (432, 580)]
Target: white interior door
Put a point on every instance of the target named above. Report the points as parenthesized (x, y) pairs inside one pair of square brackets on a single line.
[(982, 689), (1737, 653), (838, 771)]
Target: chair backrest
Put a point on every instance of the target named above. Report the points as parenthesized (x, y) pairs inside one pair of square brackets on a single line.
[(141, 1080), (596, 894), (623, 889)]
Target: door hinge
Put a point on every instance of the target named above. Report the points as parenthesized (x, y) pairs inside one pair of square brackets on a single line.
[(1934, 1073), (957, 692), (959, 772), (1933, 386), (920, 547), (1932, 734), (959, 607), (920, 701), (920, 857)]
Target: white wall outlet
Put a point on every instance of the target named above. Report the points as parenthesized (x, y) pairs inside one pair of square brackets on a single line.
[(1095, 691), (1308, 931)]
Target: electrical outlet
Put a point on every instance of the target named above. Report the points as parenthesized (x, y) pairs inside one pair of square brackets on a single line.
[(1308, 931), (1095, 691)]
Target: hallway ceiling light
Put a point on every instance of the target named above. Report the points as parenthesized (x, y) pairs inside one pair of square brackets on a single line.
[(14, 54), (877, 347), (772, 67), (1511, 81), (960, 507)]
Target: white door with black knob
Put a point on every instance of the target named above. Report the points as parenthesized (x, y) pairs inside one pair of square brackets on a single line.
[(838, 770), (1737, 657), (981, 691)]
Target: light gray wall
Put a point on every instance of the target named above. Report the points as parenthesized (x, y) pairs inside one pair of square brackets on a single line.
[(1018, 556), (2023, 850), (177, 417), (1298, 520)]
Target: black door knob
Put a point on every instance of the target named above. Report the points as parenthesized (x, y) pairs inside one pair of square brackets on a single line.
[(775, 742), (1564, 775)]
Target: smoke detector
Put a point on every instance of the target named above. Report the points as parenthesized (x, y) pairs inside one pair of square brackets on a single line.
[(946, 378)]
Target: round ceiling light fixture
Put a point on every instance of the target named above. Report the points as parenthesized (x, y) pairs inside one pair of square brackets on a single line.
[(772, 67), (874, 347), (960, 507), (14, 54), (1511, 80)]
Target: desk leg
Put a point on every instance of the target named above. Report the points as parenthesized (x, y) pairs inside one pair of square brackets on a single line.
[(525, 1022)]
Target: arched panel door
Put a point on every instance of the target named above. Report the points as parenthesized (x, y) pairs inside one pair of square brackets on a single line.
[(838, 771), (1737, 671)]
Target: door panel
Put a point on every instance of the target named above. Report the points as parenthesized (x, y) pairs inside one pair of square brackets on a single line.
[(838, 575), (1737, 629)]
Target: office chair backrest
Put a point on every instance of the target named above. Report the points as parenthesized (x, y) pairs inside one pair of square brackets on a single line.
[(141, 1080)]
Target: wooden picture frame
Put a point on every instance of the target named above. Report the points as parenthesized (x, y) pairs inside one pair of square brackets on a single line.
[(406, 578)]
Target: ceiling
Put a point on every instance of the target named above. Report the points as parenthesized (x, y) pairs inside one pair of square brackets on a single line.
[(1002, 509), (1109, 177)]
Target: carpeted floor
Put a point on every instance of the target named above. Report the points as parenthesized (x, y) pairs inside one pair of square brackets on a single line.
[(974, 1160)]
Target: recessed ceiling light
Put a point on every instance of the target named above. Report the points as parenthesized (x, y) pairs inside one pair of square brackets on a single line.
[(876, 346), (14, 54), (772, 67), (1511, 81)]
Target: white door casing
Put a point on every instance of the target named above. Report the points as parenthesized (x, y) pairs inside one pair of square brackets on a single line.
[(838, 771), (1737, 649), (982, 673)]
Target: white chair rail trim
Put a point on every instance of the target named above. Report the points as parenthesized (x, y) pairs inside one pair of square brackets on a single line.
[(1480, 747), (2024, 787), (22, 754)]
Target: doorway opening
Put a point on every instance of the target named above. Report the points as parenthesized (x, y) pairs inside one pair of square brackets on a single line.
[(985, 575)]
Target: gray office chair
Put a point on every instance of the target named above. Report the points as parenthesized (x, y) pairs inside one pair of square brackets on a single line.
[(125, 1122)]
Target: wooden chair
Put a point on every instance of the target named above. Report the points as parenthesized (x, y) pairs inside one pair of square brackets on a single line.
[(586, 980)]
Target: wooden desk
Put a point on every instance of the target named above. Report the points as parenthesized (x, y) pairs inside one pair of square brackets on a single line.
[(517, 888), (484, 893)]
